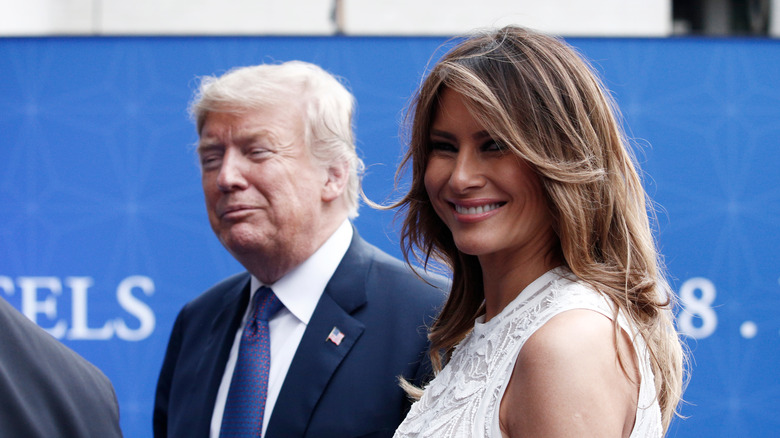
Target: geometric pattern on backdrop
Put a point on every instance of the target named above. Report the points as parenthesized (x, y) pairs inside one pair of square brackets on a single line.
[(104, 237)]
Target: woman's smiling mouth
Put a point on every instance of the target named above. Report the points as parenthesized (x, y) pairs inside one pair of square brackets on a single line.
[(460, 209)]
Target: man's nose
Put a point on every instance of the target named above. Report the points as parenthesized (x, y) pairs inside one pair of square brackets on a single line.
[(231, 172)]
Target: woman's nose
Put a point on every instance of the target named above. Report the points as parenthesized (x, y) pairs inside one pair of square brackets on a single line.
[(467, 172)]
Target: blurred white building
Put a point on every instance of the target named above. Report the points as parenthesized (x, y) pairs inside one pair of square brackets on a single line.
[(640, 18)]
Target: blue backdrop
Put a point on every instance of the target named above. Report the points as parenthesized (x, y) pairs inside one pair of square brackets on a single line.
[(104, 236)]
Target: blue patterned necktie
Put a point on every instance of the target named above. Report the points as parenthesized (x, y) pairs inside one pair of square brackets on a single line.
[(245, 405)]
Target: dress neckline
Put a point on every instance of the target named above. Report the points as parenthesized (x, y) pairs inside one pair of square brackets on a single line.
[(482, 327)]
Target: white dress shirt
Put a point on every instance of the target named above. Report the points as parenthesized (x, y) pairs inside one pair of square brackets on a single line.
[(299, 291)]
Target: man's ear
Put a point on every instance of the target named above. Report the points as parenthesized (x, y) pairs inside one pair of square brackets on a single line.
[(336, 183)]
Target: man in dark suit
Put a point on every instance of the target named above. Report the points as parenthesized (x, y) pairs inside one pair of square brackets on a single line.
[(46, 389), (281, 180)]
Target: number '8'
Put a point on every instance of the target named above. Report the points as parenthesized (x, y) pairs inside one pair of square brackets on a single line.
[(700, 307)]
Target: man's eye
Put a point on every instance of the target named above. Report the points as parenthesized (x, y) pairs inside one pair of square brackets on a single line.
[(257, 152), (209, 161)]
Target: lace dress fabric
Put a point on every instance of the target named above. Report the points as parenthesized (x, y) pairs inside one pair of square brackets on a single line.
[(464, 398)]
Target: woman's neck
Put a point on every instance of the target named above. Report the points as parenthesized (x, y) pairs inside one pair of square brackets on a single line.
[(505, 276)]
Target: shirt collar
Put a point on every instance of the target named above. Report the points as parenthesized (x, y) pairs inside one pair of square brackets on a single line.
[(300, 289)]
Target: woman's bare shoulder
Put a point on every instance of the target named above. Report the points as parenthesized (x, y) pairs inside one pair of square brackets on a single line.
[(567, 381)]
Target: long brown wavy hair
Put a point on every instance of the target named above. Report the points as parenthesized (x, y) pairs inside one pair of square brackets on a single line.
[(535, 95)]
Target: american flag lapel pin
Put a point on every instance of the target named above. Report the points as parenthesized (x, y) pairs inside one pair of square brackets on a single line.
[(335, 336)]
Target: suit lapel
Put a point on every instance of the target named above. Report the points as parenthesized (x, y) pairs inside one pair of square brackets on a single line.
[(317, 358), (219, 342)]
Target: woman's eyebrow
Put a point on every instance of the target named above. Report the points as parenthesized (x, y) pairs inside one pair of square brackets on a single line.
[(443, 134), (449, 136)]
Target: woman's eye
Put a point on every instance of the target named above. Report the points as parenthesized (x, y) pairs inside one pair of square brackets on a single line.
[(443, 146), (493, 145)]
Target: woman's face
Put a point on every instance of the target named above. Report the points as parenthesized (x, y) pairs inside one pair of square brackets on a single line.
[(489, 198)]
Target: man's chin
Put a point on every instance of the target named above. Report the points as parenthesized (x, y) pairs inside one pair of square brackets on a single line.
[(241, 243)]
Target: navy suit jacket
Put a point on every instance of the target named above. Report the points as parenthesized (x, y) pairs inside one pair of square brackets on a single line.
[(345, 390)]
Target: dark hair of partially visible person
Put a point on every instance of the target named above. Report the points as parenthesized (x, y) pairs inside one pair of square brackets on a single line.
[(539, 98)]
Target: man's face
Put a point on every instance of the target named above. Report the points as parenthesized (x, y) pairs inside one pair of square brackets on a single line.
[(264, 192)]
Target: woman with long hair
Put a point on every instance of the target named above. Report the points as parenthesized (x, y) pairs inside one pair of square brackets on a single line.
[(559, 321)]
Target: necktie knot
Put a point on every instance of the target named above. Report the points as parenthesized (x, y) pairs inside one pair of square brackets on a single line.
[(266, 304)]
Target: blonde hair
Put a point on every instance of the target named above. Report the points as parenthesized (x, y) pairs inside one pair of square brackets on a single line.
[(538, 97)]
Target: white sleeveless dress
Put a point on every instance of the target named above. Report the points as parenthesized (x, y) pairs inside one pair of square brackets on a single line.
[(464, 398)]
